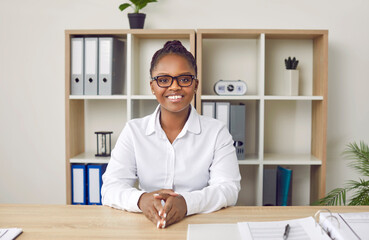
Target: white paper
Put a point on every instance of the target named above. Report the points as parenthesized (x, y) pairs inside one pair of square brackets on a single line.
[(344, 226), (9, 233), (213, 232), (359, 223), (300, 229)]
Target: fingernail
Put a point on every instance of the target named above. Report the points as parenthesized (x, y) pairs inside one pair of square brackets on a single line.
[(163, 226), (165, 215), (156, 194), (157, 225), (159, 212)]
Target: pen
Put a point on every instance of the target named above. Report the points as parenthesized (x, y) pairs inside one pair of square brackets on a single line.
[(286, 232)]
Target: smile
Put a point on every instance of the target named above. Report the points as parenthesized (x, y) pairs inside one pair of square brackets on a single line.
[(174, 97)]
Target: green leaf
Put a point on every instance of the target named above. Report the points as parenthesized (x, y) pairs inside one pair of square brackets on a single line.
[(335, 197), (140, 4), (124, 6), (359, 156)]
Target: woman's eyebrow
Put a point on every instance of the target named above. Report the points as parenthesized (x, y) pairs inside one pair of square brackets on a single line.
[(183, 73)]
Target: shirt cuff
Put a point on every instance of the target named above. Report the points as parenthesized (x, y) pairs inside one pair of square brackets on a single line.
[(191, 202), (135, 196)]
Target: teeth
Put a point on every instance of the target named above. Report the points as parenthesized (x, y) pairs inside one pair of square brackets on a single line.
[(175, 97)]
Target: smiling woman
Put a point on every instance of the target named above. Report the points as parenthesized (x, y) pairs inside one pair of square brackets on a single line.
[(185, 163)]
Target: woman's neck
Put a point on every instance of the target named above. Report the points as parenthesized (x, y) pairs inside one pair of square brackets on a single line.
[(173, 123)]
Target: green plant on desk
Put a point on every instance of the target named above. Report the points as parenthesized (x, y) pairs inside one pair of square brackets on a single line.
[(359, 156)]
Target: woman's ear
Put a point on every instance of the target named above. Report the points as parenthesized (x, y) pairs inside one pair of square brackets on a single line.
[(152, 88), (196, 85)]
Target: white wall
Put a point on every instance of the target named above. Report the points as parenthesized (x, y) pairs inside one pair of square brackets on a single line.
[(32, 113)]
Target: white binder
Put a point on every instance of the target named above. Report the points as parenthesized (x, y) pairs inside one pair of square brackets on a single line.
[(111, 66), (77, 73), (91, 61), (208, 109), (222, 112)]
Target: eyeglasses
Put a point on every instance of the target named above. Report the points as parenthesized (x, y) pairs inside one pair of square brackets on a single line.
[(166, 81)]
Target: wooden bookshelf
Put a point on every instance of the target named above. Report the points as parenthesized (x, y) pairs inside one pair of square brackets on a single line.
[(229, 54)]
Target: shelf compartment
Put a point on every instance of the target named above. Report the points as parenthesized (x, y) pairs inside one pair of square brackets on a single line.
[(107, 115), (249, 185), (230, 59), (143, 107), (300, 183), (252, 128), (276, 50), (89, 158), (293, 134)]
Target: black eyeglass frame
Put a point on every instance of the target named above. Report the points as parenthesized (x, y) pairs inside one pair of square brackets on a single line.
[(193, 77)]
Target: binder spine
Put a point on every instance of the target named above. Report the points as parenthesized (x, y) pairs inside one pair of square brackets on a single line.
[(78, 184), (94, 180), (91, 66), (111, 66), (77, 66), (237, 129)]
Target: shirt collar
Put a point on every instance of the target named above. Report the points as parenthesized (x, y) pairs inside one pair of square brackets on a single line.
[(192, 123)]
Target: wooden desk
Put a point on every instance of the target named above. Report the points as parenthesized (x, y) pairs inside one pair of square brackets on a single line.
[(100, 222)]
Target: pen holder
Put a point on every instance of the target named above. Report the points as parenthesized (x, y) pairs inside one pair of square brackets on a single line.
[(103, 144), (292, 82)]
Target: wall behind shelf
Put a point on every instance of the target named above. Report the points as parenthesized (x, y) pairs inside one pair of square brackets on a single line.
[(32, 140)]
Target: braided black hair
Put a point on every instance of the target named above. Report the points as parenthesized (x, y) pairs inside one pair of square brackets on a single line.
[(173, 47)]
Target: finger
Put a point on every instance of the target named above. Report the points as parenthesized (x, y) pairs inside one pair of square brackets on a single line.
[(168, 191), (157, 204), (167, 209)]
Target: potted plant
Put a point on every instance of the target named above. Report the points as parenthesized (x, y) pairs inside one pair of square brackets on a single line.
[(136, 19), (292, 75), (360, 162)]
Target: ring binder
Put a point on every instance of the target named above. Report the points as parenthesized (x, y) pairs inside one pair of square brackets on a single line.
[(317, 221)]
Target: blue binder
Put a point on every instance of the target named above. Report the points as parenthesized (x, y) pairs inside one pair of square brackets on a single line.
[(78, 175), (284, 177), (94, 180)]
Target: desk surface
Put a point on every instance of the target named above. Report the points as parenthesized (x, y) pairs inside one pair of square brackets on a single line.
[(101, 222)]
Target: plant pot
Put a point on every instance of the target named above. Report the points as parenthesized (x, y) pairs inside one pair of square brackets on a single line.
[(292, 82), (136, 20)]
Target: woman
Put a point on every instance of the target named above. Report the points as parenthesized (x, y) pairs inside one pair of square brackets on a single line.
[(185, 162)]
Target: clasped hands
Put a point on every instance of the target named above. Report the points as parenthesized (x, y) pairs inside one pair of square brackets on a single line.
[(174, 209)]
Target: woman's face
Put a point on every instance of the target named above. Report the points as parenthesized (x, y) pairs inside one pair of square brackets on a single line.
[(175, 98)]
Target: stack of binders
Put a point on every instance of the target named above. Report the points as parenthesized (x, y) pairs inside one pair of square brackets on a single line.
[(97, 66), (234, 117), (277, 186), (86, 183)]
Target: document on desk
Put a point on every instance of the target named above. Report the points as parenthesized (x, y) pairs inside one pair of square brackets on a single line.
[(9, 233), (212, 231), (300, 229), (346, 225)]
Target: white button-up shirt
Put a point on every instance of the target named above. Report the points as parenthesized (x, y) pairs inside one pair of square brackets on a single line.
[(200, 164)]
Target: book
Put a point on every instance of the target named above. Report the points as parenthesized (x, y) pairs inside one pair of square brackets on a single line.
[(284, 186)]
